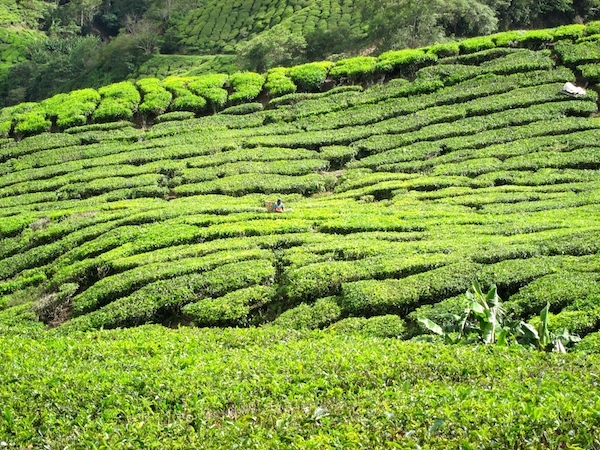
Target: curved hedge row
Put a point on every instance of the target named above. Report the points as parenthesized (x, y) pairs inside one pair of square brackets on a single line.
[(150, 98), (397, 196)]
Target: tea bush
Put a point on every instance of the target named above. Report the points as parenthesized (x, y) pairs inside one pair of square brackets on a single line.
[(360, 68), (581, 53), (156, 98), (404, 60), (323, 312), (388, 326), (246, 86), (278, 82), (118, 101), (231, 309), (310, 77)]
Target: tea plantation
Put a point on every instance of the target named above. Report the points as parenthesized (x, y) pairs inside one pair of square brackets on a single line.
[(405, 177)]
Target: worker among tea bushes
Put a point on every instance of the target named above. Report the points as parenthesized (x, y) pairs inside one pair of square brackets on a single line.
[(279, 207)]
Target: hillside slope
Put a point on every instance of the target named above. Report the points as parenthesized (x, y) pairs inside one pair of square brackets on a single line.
[(49, 47), (398, 196)]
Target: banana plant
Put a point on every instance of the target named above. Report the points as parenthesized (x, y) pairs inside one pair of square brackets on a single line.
[(483, 316), (540, 337)]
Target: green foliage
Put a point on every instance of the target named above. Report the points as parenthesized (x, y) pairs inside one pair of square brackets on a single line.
[(407, 293), (277, 47), (360, 68), (483, 316), (268, 368), (156, 99), (278, 82), (476, 44), (119, 101), (32, 120), (541, 338), (572, 32), (557, 289), (591, 72), (581, 53), (397, 196), (193, 103), (310, 317), (73, 109), (231, 309), (404, 61), (184, 98), (388, 326), (310, 77), (246, 86), (175, 116), (165, 296), (211, 88), (589, 344), (244, 108), (444, 50)]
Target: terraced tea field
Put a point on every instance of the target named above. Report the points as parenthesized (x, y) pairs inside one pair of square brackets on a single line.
[(398, 196), (218, 26), (145, 203)]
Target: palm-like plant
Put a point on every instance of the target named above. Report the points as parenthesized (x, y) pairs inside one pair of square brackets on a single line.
[(484, 318)]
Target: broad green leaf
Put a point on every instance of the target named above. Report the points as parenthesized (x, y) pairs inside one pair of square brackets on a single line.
[(543, 333), (431, 326), (529, 331), (502, 338), (477, 308)]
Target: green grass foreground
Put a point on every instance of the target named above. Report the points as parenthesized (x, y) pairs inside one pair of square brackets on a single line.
[(153, 387)]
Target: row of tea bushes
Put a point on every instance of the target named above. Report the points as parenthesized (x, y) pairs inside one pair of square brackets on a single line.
[(195, 94)]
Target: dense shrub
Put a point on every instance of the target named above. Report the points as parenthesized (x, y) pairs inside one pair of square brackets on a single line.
[(122, 124), (404, 295), (404, 61), (592, 28), (318, 315), (175, 116), (32, 120), (211, 88), (536, 38), (591, 72), (581, 53), (589, 344), (279, 83), (444, 50), (386, 326), (559, 289), (476, 44), (189, 102), (579, 322), (231, 309), (184, 99), (76, 108), (572, 32), (310, 77), (360, 68), (119, 101), (156, 98), (244, 108), (246, 86)]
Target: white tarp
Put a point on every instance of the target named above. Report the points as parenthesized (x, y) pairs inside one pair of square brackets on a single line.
[(572, 90)]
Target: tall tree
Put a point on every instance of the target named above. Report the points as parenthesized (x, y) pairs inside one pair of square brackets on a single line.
[(412, 23)]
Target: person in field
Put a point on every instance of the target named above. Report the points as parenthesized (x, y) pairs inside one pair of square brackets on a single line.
[(279, 207)]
